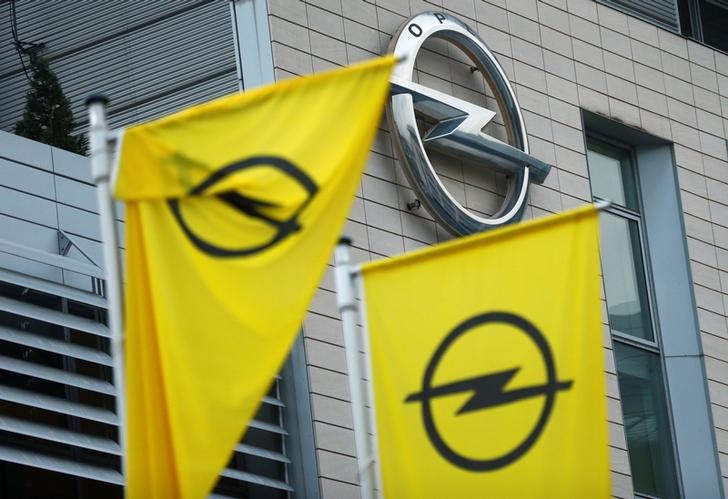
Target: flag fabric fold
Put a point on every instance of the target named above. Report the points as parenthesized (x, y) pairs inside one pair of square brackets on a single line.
[(232, 209), (487, 364)]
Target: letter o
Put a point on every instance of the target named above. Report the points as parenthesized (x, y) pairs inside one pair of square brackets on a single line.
[(415, 30)]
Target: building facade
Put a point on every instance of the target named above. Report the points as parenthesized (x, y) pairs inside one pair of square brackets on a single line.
[(627, 100)]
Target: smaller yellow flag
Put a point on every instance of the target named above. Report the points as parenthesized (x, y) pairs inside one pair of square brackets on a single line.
[(488, 364)]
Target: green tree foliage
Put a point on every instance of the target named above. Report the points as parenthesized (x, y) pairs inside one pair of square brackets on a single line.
[(47, 117)]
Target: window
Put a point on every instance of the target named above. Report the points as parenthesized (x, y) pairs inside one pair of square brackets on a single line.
[(635, 340), (703, 20), (661, 12), (58, 434)]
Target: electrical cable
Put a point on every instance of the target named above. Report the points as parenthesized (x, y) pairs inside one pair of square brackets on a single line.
[(20, 47)]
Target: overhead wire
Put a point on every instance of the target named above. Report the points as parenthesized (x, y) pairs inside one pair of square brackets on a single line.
[(20, 47)]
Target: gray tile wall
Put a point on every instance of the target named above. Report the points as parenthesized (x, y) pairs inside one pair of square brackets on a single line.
[(561, 56)]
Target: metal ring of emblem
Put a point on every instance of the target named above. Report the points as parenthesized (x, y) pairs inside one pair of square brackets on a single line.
[(401, 113)]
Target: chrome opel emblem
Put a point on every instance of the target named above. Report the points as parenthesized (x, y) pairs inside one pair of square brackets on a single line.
[(458, 126)]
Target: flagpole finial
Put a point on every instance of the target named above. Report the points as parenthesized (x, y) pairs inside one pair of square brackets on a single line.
[(94, 98), (602, 204)]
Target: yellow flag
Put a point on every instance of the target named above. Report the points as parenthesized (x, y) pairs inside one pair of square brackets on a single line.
[(233, 208), (488, 365)]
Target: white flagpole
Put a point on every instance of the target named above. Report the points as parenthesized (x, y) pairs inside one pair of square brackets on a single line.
[(374, 439), (345, 299), (101, 159)]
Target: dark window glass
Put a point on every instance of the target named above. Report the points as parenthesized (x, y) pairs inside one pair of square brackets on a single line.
[(714, 20), (18, 481), (645, 421)]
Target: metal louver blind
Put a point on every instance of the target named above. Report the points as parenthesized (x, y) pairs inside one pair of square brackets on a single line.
[(662, 12), (149, 58), (56, 397), (58, 427), (259, 466)]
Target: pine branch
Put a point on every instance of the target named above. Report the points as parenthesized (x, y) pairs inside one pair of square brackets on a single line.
[(47, 117)]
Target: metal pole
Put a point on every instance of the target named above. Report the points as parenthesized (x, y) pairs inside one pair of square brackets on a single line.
[(100, 155), (345, 299), (367, 349)]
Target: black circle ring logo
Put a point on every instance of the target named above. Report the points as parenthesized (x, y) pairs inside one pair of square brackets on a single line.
[(249, 206), (488, 391)]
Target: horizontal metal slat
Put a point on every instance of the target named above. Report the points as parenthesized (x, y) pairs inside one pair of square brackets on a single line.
[(57, 375), (99, 21), (56, 346), (257, 479), (53, 463), (50, 259), (659, 11), (52, 288), (55, 404), (260, 425), (273, 401), (264, 453), (53, 316), (59, 435), (179, 98)]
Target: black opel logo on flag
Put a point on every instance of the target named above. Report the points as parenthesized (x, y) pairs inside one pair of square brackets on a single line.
[(248, 206), (488, 391)]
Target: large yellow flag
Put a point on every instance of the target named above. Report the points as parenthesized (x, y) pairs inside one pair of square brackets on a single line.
[(233, 208), (488, 365)]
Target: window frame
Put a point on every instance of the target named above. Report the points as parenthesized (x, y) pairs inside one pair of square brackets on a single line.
[(690, 20), (654, 347)]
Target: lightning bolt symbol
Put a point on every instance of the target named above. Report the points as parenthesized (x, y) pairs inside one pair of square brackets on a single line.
[(458, 130), (488, 391)]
